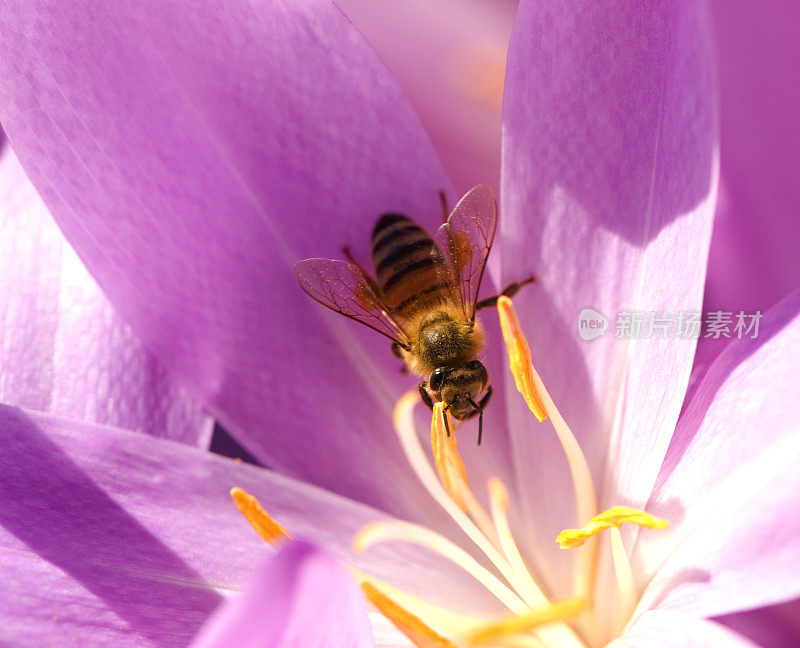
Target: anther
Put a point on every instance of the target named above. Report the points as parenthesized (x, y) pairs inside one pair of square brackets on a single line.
[(412, 627), (613, 517), (519, 354), (258, 518), (452, 473)]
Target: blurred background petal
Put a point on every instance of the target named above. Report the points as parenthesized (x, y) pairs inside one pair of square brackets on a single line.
[(449, 59)]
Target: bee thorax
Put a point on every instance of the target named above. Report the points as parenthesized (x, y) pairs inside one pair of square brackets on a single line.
[(445, 341)]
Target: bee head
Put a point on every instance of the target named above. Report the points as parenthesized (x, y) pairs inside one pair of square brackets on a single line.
[(459, 387)]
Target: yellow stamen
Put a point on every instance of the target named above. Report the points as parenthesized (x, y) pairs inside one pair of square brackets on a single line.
[(613, 517), (519, 354), (516, 624), (479, 530), (498, 498), (476, 524), (446, 620), (258, 518), (585, 500), (412, 627), (448, 462)]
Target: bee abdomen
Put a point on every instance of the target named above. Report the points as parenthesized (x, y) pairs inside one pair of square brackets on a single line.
[(407, 270)]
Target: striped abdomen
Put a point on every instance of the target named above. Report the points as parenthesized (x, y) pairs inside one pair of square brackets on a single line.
[(408, 273)]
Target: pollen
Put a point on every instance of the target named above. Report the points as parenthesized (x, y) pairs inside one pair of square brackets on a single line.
[(258, 518), (519, 354), (613, 517)]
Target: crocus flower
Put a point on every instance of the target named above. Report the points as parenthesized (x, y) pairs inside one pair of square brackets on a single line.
[(275, 134)]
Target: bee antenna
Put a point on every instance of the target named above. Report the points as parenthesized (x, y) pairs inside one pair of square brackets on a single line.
[(480, 419)]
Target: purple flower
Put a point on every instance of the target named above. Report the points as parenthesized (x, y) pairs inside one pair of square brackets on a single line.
[(191, 155)]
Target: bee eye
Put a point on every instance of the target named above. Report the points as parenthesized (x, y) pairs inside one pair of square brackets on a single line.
[(436, 379)]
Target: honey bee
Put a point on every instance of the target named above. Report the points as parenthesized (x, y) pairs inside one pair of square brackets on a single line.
[(424, 298)]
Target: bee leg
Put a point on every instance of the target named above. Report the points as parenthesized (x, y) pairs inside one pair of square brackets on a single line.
[(426, 397), (479, 407), (446, 424), (445, 210), (509, 291)]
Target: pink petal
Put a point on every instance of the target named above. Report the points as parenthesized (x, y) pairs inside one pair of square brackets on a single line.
[(730, 481), (777, 626), (609, 180), (667, 629), (63, 349), (191, 158), (125, 539), (753, 261), (300, 597)]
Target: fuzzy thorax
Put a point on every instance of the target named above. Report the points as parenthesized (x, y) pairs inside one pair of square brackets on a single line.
[(443, 338)]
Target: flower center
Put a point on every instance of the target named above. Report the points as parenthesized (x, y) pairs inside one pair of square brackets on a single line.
[(533, 618)]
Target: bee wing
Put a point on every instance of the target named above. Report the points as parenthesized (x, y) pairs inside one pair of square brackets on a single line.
[(465, 240), (345, 288)]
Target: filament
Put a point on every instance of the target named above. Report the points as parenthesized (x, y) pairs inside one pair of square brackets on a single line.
[(492, 632), (626, 585), (453, 475), (404, 426), (377, 532), (522, 581), (498, 497), (537, 395)]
